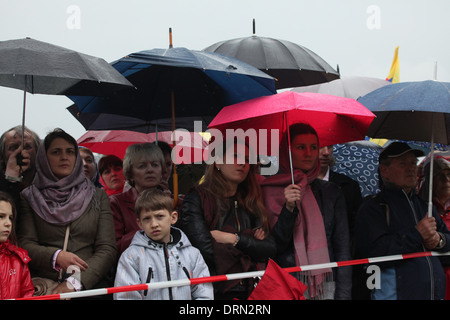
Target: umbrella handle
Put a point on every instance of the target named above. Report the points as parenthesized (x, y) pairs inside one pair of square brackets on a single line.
[(289, 147), (175, 175), (23, 112), (430, 187)]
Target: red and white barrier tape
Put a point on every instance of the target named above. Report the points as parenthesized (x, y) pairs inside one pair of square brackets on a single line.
[(233, 276)]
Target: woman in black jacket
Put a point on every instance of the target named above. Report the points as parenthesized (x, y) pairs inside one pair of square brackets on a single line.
[(225, 219), (309, 217)]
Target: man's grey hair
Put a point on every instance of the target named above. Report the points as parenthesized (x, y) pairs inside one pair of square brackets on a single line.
[(17, 130)]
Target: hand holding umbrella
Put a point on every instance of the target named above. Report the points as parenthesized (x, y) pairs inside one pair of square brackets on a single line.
[(39, 67)]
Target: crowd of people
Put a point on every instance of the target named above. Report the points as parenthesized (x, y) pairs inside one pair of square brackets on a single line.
[(68, 223)]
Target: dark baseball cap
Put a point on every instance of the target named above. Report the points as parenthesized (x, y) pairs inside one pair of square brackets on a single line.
[(397, 149)]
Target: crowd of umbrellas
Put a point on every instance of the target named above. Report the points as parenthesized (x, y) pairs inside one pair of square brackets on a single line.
[(247, 83)]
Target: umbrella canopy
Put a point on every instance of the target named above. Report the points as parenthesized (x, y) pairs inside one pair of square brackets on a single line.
[(417, 111), (107, 121), (410, 111), (180, 83), (336, 119), (116, 142), (291, 64), (40, 67), (359, 161), (348, 87)]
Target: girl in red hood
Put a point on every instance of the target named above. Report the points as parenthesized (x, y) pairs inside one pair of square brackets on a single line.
[(15, 279)]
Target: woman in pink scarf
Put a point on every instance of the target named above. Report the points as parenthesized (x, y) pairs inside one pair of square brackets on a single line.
[(309, 217)]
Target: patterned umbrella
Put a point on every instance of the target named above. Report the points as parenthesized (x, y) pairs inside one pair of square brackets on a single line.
[(359, 161)]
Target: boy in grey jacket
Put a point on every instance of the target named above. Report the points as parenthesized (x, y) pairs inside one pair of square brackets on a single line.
[(160, 252)]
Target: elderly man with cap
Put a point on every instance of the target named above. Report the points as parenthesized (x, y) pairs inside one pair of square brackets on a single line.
[(395, 221)]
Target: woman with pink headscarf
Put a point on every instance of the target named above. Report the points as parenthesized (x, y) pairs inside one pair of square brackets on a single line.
[(308, 217)]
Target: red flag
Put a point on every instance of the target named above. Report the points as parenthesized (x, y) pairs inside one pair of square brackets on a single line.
[(278, 284)]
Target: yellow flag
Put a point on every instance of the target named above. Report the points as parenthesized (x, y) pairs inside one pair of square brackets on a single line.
[(394, 73)]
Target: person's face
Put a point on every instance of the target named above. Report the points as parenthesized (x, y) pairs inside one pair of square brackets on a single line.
[(6, 217), (305, 151), (113, 177), (156, 224), (402, 171), (442, 185), (88, 164), (168, 167), (146, 173), (232, 168), (61, 156), (13, 140), (325, 156)]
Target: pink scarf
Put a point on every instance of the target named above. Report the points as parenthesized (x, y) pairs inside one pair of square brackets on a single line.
[(58, 201), (310, 239)]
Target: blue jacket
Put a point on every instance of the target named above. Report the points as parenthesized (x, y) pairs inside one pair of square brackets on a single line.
[(377, 235)]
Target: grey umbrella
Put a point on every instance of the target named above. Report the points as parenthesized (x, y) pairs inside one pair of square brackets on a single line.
[(39, 67), (349, 87), (291, 64)]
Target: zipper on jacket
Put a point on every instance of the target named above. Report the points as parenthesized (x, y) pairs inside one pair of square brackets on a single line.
[(237, 217), (186, 272), (430, 265), (149, 276), (166, 258)]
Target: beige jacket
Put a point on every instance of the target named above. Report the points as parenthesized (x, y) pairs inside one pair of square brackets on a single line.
[(91, 238)]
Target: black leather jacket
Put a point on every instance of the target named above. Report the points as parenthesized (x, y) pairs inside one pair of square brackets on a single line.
[(194, 225)]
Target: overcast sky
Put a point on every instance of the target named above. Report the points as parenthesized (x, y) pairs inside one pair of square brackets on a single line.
[(358, 35)]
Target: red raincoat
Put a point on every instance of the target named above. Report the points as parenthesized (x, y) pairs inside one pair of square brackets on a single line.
[(15, 279)]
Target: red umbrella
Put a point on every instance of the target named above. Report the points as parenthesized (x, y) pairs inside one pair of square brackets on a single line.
[(336, 119), (278, 284), (189, 145)]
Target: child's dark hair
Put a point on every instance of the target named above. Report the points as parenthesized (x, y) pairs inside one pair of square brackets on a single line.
[(8, 198), (153, 200)]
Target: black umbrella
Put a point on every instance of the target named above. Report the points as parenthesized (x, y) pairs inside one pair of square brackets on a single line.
[(39, 67), (291, 64)]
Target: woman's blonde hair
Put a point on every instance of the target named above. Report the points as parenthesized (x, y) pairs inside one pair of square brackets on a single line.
[(134, 152)]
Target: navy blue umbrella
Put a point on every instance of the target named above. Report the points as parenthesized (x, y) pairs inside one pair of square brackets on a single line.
[(178, 83), (418, 111), (171, 84)]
